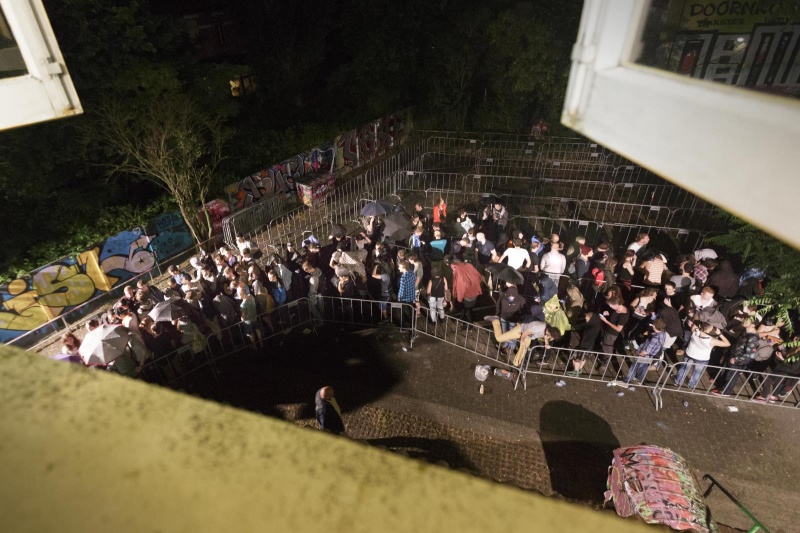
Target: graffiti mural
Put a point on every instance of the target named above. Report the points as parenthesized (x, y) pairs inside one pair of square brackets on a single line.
[(359, 146), (658, 485), (749, 44), (346, 149), (280, 178), (54, 289), (171, 236), (217, 211), (350, 149)]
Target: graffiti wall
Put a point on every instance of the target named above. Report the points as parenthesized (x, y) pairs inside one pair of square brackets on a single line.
[(748, 44), (280, 178), (50, 291), (359, 146), (350, 149)]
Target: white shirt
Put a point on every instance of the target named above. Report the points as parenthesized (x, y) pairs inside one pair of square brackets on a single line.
[(635, 246), (701, 303), (244, 244), (705, 253), (517, 257), (554, 264), (699, 347), (466, 224)]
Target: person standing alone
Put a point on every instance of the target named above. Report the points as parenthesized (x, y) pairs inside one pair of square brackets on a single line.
[(329, 415)]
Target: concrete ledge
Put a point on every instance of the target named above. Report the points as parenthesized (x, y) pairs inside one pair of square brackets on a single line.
[(83, 450)]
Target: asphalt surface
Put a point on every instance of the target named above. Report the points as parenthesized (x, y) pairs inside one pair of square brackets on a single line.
[(425, 402)]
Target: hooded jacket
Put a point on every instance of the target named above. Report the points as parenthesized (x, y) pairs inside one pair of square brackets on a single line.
[(510, 304), (724, 280)]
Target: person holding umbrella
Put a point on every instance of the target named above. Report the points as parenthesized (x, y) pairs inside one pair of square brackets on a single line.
[(107, 346), (397, 227), (69, 349)]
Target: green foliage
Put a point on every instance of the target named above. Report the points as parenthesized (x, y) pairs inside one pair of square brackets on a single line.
[(779, 261), (108, 221)]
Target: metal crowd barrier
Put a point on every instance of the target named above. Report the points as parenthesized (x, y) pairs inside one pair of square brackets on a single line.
[(562, 362), (176, 365), (618, 235), (363, 312), (252, 218), (746, 386)]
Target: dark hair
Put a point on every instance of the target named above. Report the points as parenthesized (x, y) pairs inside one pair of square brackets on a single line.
[(554, 333)]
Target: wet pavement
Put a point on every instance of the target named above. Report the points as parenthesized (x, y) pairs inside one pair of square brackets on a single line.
[(426, 403)]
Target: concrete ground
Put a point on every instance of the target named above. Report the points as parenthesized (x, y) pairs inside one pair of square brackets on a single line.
[(425, 402)]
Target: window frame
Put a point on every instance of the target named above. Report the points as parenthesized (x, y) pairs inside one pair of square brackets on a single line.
[(731, 146), (47, 91)]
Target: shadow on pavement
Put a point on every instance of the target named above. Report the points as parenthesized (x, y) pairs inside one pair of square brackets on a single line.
[(282, 378), (578, 447), (432, 450)]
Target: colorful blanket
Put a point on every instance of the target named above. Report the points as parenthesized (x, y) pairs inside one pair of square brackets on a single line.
[(657, 484)]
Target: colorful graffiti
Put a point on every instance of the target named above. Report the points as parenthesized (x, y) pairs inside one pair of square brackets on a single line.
[(217, 211), (658, 485), (28, 304), (747, 44), (350, 149), (359, 146), (280, 178), (171, 235)]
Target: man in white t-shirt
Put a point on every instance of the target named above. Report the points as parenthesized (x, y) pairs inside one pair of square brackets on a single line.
[(553, 263), (518, 257), (641, 241)]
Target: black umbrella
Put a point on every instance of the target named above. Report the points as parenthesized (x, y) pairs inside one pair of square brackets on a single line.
[(377, 208), (397, 226), (501, 271)]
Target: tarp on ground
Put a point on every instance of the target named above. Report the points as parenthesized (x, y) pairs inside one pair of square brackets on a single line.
[(658, 485)]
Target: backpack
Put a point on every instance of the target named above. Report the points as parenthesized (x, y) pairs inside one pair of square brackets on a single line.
[(572, 269)]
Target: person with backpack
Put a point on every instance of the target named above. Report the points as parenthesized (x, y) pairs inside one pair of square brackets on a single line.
[(741, 355)]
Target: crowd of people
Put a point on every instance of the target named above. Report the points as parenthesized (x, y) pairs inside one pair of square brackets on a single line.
[(577, 294)]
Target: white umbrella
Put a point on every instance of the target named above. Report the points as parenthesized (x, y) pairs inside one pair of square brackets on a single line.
[(166, 312), (104, 344)]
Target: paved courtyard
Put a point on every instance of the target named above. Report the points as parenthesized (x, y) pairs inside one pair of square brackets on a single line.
[(425, 403)]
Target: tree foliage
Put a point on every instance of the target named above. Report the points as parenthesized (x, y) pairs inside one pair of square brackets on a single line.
[(173, 144), (321, 68), (779, 261)]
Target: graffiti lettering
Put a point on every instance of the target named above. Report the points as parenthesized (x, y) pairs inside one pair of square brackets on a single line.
[(280, 178), (725, 7), (26, 305), (347, 149)]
